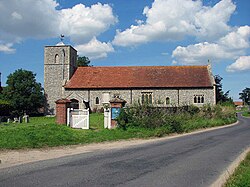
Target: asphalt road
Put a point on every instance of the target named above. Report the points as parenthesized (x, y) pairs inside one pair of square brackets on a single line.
[(193, 160)]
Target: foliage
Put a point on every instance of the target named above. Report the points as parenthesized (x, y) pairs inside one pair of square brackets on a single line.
[(246, 114), (82, 61), (221, 97), (245, 96), (43, 132), (241, 177), (4, 108), (175, 119), (23, 92)]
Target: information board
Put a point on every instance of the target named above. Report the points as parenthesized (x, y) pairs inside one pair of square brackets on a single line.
[(115, 112)]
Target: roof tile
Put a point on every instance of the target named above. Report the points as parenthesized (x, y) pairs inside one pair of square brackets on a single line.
[(140, 77)]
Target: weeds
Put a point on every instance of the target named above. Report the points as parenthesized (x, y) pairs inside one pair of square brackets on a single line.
[(175, 119)]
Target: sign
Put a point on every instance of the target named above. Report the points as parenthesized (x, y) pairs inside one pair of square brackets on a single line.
[(115, 112)]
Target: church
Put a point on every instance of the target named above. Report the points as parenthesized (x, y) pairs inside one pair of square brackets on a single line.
[(162, 86)]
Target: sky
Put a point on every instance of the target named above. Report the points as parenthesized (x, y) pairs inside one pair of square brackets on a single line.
[(131, 33)]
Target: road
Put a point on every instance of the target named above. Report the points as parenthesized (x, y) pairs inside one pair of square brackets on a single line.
[(193, 160)]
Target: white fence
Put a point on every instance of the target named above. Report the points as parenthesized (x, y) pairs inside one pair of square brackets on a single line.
[(78, 118)]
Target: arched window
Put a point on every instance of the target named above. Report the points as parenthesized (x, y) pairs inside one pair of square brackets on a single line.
[(202, 99), (97, 101), (74, 104), (199, 99), (56, 59), (147, 97), (150, 99), (195, 99), (167, 101)]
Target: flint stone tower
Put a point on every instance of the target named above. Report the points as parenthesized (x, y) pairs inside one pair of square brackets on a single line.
[(59, 66)]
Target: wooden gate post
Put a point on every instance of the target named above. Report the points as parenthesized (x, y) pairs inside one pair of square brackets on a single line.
[(61, 110)]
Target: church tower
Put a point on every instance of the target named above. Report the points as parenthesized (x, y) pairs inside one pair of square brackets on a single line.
[(59, 66)]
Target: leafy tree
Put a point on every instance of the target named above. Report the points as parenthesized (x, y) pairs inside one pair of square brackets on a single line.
[(221, 97), (23, 92), (245, 96), (5, 108), (82, 61)]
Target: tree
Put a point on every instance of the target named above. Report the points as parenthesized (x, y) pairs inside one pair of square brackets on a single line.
[(23, 92), (82, 61), (245, 96), (221, 97)]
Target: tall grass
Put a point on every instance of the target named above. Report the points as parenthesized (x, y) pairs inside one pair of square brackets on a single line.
[(176, 120)]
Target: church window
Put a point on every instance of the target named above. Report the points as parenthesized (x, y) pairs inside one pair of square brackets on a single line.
[(97, 101), (147, 97), (167, 101), (195, 99), (56, 59), (202, 99), (150, 99), (74, 104), (198, 98)]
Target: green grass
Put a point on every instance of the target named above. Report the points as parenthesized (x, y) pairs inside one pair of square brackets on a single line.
[(43, 132), (246, 113), (201, 123), (241, 177)]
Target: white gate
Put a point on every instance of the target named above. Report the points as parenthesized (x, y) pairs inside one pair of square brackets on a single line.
[(78, 118)]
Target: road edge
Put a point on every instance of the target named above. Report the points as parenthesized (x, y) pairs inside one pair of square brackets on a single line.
[(9, 158), (230, 169)]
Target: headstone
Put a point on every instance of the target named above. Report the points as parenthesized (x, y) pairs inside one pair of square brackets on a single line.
[(20, 120), (26, 118), (15, 120)]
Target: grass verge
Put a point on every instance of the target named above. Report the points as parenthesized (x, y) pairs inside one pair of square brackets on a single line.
[(43, 132), (241, 176), (246, 113)]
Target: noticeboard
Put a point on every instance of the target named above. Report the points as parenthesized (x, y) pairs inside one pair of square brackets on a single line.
[(115, 112)]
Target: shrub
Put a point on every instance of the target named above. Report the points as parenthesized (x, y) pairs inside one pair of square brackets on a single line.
[(5, 108), (174, 119)]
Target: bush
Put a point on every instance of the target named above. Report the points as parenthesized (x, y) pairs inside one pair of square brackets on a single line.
[(175, 119), (5, 108)]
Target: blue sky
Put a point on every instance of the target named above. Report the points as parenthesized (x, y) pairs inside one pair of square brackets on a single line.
[(131, 32)]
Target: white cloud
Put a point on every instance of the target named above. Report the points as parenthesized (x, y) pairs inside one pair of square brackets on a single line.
[(95, 49), (7, 48), (231, 46), (41, 19), (27, 19), (174, 19), (81, 23), (241, 64), (238, 39), (211, 22)]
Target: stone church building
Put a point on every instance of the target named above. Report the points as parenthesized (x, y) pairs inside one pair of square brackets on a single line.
[(162, 86)]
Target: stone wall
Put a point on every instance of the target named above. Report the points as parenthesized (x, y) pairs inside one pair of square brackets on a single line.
[(59, 66), (178, 97)]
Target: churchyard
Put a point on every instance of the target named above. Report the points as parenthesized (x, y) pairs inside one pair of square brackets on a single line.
[(44, 132)]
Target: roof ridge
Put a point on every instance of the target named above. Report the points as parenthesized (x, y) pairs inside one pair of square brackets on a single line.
[(191, 66)]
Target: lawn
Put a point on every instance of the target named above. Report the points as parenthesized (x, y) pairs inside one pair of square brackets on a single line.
[(241, 177), (246, 113), (44, 132)]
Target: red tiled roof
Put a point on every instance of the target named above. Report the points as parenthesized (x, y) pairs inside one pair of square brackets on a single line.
[(238, 103), (140, 77)]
